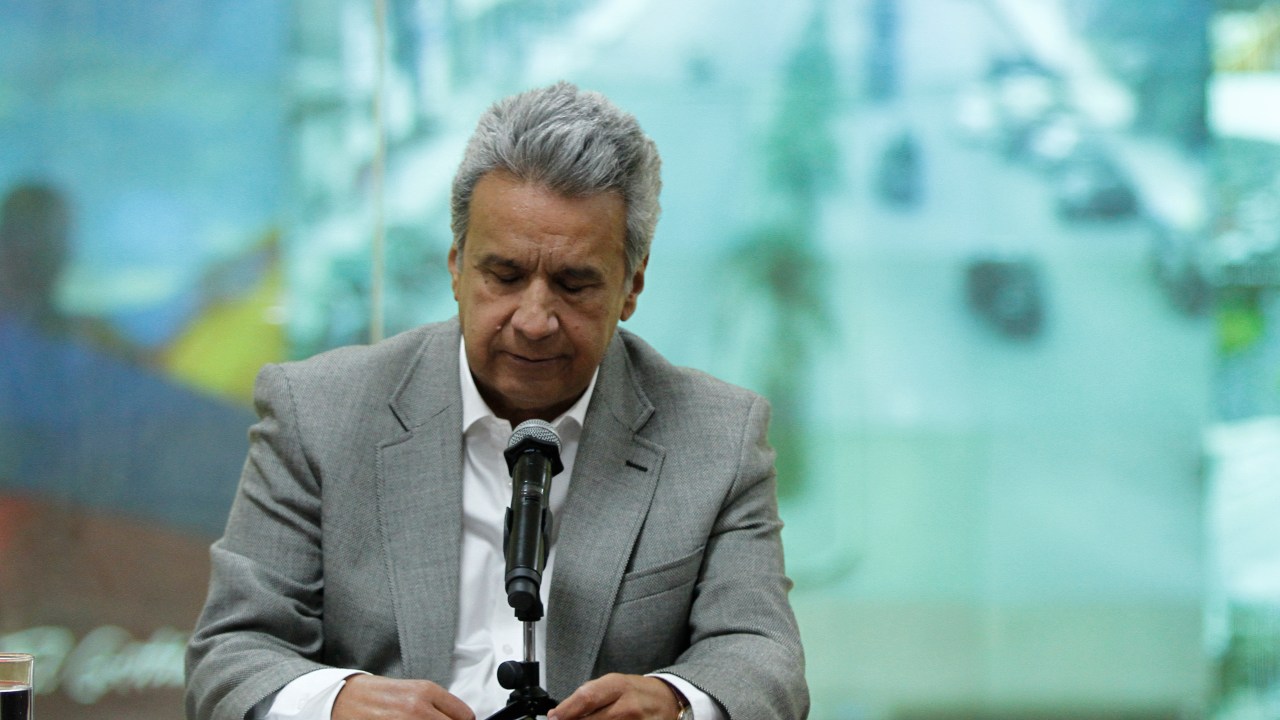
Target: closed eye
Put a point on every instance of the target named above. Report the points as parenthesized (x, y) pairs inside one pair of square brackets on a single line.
[(501, 270), (575, 281), (574, 288)]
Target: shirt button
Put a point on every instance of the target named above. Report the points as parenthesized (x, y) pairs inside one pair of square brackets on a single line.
[(507, 649)]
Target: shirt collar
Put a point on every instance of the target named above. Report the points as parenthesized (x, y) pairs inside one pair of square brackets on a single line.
[(475, 409)]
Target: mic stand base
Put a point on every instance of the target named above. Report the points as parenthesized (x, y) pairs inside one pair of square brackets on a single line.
[(527, 699)]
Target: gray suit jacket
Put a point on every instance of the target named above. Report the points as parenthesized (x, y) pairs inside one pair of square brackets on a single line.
[(342, 547)]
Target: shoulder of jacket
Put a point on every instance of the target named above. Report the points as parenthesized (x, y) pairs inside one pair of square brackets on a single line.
[(663, 379), (403, 345)]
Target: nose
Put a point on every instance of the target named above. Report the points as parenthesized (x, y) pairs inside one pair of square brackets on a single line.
[(535, 316)]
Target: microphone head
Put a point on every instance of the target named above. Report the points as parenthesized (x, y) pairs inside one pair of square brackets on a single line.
[(536, 429), (537, 435)]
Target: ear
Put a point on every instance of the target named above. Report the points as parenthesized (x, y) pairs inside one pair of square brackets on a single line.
[(454, 271), (637, 285)]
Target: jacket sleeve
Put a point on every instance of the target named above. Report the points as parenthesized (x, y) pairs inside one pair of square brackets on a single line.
[(261, 625)]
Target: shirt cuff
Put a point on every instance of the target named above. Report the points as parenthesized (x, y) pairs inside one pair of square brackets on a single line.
[(703, 707), (308, 697)]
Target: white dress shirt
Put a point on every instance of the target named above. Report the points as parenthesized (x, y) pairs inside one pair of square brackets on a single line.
[(488, 632)]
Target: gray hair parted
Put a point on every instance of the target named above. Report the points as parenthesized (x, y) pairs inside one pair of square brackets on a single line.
[(574, 142)]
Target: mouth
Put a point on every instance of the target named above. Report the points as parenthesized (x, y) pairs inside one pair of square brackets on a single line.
[(532, 360)]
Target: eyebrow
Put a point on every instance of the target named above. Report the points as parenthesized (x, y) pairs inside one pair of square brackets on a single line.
[(497, 261), (581, 274)]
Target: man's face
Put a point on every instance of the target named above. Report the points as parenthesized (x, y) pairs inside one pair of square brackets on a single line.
[(541, 286)]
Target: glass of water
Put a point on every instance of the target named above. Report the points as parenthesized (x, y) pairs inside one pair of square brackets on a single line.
[(16, 673)]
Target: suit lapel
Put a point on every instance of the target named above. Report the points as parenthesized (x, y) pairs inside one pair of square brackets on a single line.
[(613, 482), (420, 507)]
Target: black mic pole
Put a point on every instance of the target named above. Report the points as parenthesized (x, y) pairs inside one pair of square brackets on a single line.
[(533, 457)]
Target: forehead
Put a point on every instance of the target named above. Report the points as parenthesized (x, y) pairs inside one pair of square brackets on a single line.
[(512, 215)]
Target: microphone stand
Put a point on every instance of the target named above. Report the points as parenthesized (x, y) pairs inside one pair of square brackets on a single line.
[(527, 698), (524, 581)]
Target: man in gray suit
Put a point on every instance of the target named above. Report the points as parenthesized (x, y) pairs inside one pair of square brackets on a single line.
[(361, 570)]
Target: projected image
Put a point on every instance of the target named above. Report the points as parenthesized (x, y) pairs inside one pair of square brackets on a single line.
[(1005, 270)]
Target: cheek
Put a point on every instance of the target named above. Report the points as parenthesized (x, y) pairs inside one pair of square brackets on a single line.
[(589, 332), (490, 315), (482, 303)]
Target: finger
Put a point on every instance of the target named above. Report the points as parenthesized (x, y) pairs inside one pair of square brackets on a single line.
[(423, 700), (591, 697), (453, 707), (369, 696)]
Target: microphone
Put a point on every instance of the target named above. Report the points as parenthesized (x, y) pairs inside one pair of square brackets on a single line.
[(533, 458)]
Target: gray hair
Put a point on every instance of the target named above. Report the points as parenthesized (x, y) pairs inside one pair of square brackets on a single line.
[(573, 142)]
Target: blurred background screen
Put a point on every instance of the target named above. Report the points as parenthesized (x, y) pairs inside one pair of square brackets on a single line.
[(1006, 269)]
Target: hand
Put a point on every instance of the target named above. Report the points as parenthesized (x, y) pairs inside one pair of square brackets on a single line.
[(371, 697), (619, 697)]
